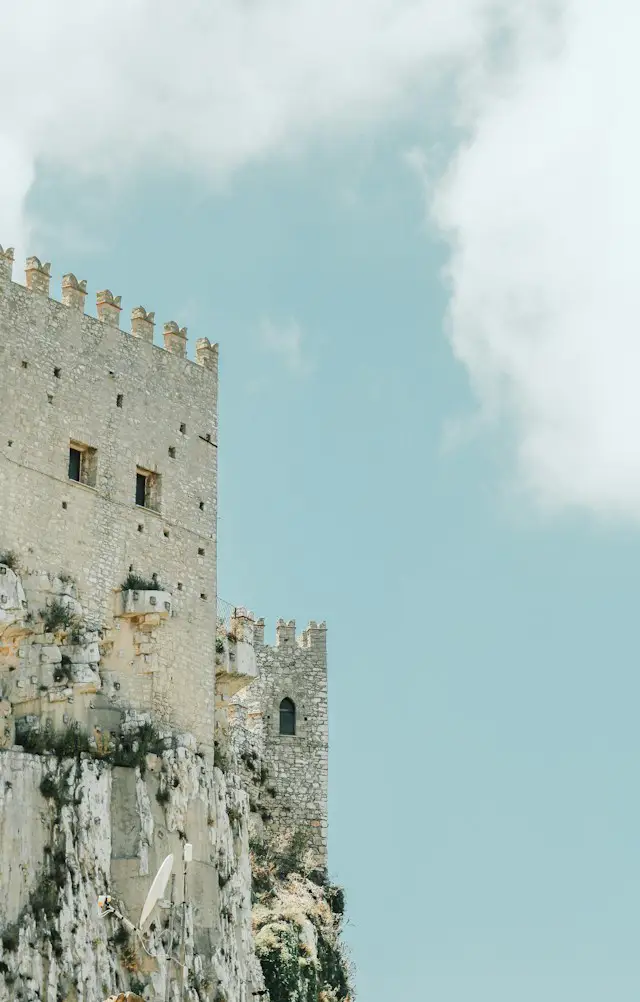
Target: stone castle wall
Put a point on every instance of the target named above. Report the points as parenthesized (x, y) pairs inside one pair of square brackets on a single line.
[(295, 669), (66, 378)]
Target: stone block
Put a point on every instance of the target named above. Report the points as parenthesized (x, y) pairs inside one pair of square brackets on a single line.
[(83, 653), (50, 655)]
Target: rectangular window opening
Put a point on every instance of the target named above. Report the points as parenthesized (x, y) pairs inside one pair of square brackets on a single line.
[(148, 489), (201, 551), (83, 464), (119, 400)]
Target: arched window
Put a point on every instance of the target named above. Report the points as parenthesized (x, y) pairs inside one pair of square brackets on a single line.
[(287, 717)]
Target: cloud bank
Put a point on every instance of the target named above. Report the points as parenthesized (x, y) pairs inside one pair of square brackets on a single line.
[(538, 205), (542, 211)]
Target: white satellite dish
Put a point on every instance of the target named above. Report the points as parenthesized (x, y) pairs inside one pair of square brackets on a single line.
[(156, 890)]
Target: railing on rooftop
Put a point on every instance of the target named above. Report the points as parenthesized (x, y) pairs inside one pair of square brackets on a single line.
[(225, 613)]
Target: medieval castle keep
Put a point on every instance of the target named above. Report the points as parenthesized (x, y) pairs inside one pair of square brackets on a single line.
[(108, 498)]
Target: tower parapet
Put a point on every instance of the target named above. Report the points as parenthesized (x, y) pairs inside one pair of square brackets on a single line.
[(6, 262), (108, 308), (142, 323), (175, 338), (74, 292), (38, 276)]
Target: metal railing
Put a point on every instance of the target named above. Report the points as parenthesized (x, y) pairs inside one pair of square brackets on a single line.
[(225, 613)]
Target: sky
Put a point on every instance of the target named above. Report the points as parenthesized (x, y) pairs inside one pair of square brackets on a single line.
[(412, 229)]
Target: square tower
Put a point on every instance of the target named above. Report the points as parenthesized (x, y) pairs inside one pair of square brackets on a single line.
[(108, 476)]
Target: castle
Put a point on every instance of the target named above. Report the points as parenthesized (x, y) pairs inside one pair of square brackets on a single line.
[(108, 590)]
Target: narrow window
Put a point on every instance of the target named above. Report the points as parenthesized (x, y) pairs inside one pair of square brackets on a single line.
[(50, 397), (172, 451), (179, 585), (25, 365), (75, 464), (183, 429), (64, 505), (166, 533), (56, 373), (201, 551), (119, 399), (287, 717), (202, 506), (141, 489)]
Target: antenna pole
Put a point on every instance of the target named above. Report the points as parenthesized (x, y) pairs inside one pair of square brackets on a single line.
[(186, 859), (170, 957)]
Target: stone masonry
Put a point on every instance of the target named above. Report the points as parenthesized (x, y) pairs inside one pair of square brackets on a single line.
[(130, 408), (295, 670)]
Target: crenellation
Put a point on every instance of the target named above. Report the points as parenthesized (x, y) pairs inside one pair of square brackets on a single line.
[(142, 323), (175, 338), (108, 308), (258, 633), (6, 262), (74, 292), (207, 354), (38, 276), (285, 633)]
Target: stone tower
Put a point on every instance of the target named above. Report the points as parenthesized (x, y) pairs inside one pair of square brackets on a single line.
[(286, 707), (108, 468)]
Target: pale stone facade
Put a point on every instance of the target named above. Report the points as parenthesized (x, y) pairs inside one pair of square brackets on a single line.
[(295, 670), (68, 380), (73, 382)]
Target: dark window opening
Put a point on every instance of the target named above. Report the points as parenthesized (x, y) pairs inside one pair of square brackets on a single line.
[(75, 464), (141, 489), (25, 365), (183, 429), (50, 397), (10, 442), (203, 596), (166, 533), (179, 585), (119, 400), (64, 505), (202, 506), (172, 451), (287, 717), (140, 527), (200, 551)]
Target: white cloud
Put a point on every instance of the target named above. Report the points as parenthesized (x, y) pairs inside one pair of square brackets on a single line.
[(207, 86), (285, 342), (542, 208), (539, 204)]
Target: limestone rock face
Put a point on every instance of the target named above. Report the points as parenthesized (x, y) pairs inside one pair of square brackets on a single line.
[(12, 599), (73, 829)]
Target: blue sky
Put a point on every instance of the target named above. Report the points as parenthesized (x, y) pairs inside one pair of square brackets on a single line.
[(480, 598)]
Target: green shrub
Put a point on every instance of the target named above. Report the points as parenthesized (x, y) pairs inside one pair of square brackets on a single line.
[(57, 616), (335, 899), (219, 645), (11, 938), (135, 582), (163, 796), (10, 559)]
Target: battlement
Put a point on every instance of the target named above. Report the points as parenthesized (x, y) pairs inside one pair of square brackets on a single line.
[(108, 308), (314, 637)]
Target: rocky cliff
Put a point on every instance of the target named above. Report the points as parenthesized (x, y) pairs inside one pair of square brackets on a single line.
[(89, 810)]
